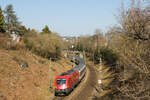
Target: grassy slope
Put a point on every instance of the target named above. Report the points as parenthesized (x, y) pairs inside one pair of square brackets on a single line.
[(106, 77), (32, 83)]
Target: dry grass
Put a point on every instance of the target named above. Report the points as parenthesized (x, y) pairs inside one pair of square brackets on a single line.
[(106, 74), (103, 93), (107, 77), (31, 83)]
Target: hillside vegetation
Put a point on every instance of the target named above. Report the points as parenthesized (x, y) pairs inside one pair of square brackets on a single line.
[(131, 44), (45, 45), (31, 82), (126, 68), (24, 59), (124, 50)]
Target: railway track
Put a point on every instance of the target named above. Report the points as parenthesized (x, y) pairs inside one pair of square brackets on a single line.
[(85, 89)]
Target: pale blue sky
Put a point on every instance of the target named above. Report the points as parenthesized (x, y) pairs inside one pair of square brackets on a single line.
[(67, 17)]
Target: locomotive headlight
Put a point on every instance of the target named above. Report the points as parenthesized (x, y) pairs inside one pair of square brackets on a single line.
[(64, 86)]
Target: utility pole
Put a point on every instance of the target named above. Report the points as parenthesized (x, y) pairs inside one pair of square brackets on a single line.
[(50, 73), (100, 61), (93, 57), (84, 56), (100, 70)]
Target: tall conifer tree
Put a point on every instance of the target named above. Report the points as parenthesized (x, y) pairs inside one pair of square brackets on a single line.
[(46, 30), (2, 22), (12, 23)]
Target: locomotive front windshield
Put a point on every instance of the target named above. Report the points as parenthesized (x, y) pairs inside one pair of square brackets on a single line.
[(61, 81)]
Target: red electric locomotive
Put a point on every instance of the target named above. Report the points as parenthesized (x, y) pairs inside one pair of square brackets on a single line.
[(66, 82)]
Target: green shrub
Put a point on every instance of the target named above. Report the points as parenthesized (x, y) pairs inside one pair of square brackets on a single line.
[(106, 54), (45, 45)]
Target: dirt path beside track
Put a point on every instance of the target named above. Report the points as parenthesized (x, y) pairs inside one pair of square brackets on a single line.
[(85, 89)]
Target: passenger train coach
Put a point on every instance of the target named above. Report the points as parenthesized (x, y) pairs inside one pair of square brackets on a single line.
[(65, 82)]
